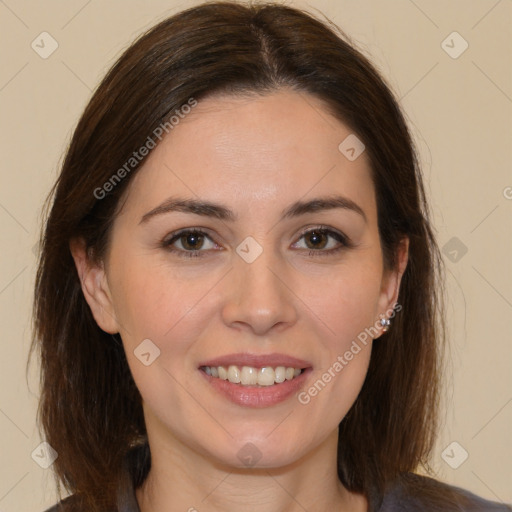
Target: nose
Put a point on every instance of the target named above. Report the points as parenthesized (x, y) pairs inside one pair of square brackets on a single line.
[(259, 299)]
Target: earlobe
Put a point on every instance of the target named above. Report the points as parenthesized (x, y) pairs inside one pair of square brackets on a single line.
[(94, 287), (391, 282)]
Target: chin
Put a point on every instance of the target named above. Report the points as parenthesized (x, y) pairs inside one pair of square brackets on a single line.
[(257, 452)]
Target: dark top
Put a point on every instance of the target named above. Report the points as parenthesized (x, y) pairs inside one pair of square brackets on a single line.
[(397, 499), (408, 493)]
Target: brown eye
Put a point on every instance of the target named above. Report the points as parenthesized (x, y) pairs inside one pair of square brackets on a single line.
[(191, 241), (322, 241), (316, 239)]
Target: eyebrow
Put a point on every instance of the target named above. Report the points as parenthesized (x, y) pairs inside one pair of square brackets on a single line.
[(217, 211)]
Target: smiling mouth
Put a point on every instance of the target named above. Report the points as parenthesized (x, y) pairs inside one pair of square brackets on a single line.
[(253, 376)]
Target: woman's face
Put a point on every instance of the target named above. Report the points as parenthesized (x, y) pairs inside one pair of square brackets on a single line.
[(285, 272)]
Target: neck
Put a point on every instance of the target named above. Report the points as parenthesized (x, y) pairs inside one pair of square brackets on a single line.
[(181, 479)]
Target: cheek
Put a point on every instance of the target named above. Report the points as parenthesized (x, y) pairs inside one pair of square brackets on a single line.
[(344, 301), (157, 303), (343, 315), (163, 314), (163, 317)]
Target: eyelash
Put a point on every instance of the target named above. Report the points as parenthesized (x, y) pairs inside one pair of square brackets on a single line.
[(342, 239)]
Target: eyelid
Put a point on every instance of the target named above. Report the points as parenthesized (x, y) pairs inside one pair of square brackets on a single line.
[(196, 230), (326, 229)]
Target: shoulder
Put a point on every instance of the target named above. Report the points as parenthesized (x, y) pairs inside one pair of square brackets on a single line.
[(126, 502), (416, 493), (70, 504)]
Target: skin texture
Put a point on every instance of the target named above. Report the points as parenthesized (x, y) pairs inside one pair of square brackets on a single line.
[(255, 155)]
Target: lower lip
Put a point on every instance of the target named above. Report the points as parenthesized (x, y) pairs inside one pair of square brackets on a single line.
[(254, 396)]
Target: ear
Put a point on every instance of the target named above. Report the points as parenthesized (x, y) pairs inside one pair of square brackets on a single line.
[(391, 281), (95, 287)]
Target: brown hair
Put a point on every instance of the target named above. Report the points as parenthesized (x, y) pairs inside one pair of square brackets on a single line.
[(90, 409)]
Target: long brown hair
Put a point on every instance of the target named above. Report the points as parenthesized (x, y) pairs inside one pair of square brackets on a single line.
[(90, 409)]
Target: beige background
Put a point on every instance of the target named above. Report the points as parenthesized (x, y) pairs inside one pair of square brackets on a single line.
[(460, 111)]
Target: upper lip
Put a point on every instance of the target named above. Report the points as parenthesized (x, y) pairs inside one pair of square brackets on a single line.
[(257, 360)]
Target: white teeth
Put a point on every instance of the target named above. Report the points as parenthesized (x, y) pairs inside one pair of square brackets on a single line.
[(250, 376), (266, 376), (281, 374), (234, 374)]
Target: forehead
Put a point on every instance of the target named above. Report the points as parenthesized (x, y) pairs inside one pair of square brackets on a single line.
[(253, 151)]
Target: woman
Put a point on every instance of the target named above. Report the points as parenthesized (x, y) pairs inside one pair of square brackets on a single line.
[(237, 304)]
